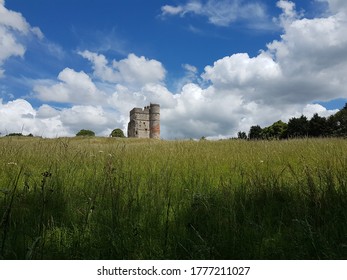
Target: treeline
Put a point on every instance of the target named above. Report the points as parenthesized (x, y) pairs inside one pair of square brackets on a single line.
[(333, 126), (19, 134)]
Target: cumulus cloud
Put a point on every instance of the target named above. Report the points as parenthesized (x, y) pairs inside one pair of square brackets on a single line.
[(311, 109), (45, 112), (13, 20), (307, 64), (239, 71), (220, 13), (312, 56), (132, 71), (88, 117), (12, 26), (288, 8), (19, 116), (74, 87), (336, 6), (9, 46)]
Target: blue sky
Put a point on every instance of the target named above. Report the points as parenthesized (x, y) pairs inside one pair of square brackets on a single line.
[(216, 67)]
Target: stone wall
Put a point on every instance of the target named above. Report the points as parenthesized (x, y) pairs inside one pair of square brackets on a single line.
[(145, 123)]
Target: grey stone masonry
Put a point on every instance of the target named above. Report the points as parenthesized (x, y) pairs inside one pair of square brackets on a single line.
[(145, 123)]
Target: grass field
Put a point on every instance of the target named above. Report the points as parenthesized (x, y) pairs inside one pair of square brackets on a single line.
[(105, 198)]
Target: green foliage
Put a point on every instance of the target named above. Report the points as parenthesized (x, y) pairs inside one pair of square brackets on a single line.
[(338, 123), (15, 134), (242, 135), (277, 130), (298, 127), (117, 133), (94, 198), (334, 126), (85, 132), (255, 132), (19, 135), (317, 126)]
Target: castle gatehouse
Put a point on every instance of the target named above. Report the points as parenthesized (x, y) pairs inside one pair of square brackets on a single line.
[(145, 123)]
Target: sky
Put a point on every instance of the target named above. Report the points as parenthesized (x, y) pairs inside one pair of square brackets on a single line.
[(216, 67)]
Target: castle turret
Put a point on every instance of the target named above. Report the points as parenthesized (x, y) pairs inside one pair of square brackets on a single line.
[(154, 121)]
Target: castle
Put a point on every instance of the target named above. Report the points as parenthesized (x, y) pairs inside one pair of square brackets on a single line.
[(145, 123)]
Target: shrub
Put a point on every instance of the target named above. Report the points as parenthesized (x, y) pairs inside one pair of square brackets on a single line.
[(85, 132), (117, 133)]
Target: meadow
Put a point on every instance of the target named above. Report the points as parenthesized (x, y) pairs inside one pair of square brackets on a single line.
[(106, 198)]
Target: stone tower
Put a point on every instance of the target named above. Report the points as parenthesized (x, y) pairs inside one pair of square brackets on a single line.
[(154, 121), (145, 123)]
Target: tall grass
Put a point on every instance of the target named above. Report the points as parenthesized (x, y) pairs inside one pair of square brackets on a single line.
[(104, 198)]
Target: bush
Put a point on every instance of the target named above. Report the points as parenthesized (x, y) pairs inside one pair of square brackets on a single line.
[(85, 132), (117, 133)]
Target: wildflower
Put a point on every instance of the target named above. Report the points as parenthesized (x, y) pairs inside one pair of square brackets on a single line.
[(11, 163)]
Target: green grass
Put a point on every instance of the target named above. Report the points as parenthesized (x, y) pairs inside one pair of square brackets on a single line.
[(104, 198)]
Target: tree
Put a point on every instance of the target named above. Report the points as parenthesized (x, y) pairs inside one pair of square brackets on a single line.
[(85, 132), (15, 134), (337, 123), (255, 132), (242, 135), (317, 126), (298, 127), (279, 130), (117, 133)]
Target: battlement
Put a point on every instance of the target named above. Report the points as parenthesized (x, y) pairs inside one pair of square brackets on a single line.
[(144, 110), (145, 122)]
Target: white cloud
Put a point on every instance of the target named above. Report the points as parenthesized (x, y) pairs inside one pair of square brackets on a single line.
[(219, 12), (45, 112), (13, 20), (124, 99), (308, 63), (74, 87), (288, 8), (100, 66), (132, 71), (190, 68), (86, 117), (18, 116), (239, 70), (139, 70), (312, 56), (336, 6), (171, 10), (9, 46), (12, 25), (311, 109)]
